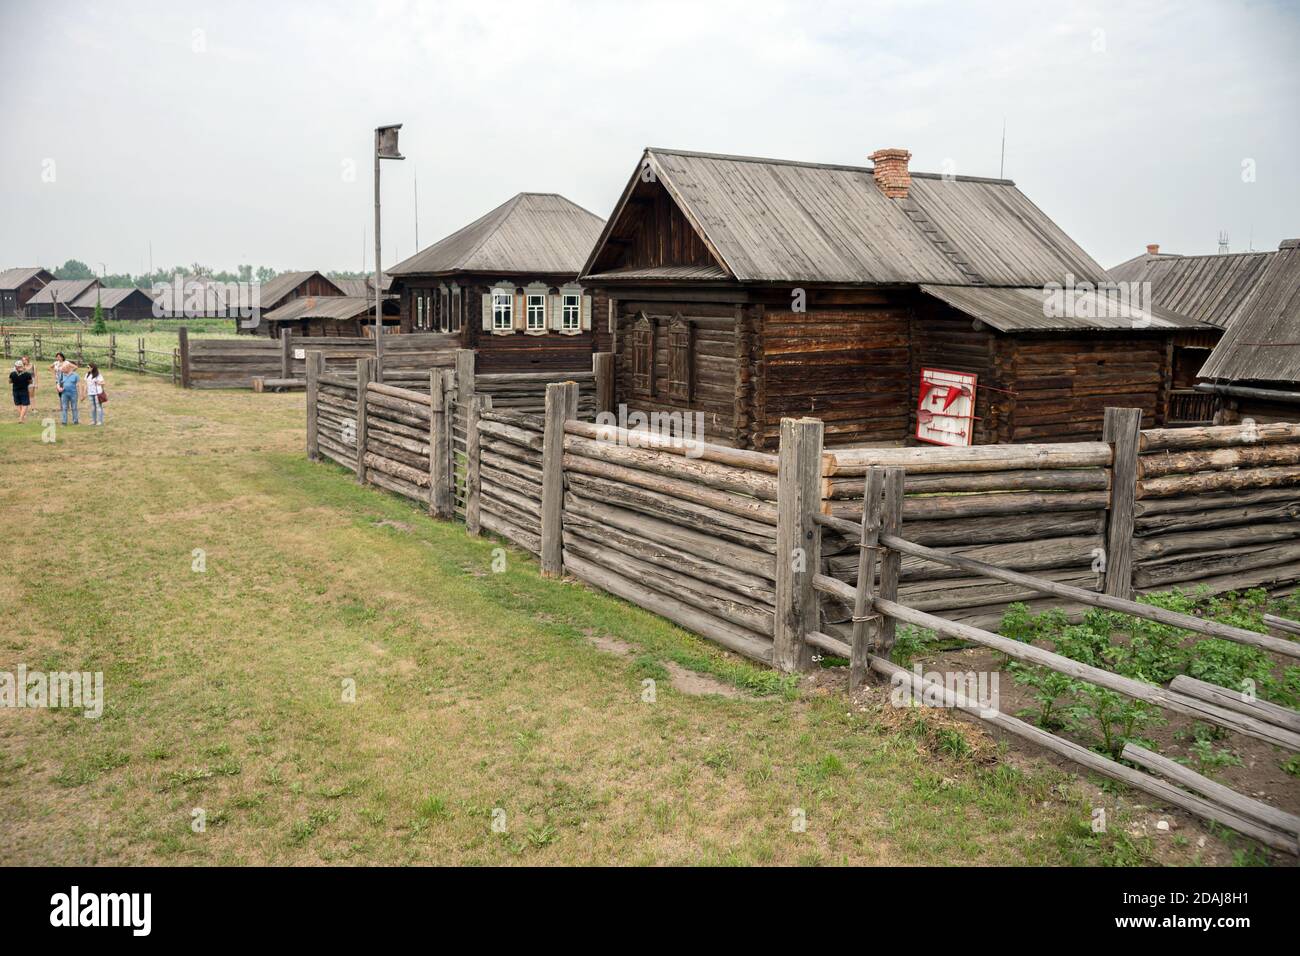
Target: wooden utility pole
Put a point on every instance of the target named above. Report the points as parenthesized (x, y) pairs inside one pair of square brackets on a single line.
[(385, 148)]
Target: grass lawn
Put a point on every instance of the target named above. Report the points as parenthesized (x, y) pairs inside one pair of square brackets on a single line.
[(475, 690)]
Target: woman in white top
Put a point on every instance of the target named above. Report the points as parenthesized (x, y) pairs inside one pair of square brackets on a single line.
[(95, 394)]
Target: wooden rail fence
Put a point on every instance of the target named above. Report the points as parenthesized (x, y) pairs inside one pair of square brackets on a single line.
[(779, 557)]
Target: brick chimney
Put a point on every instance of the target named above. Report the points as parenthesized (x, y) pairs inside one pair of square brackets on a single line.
[(891, 172), (1153, 249)]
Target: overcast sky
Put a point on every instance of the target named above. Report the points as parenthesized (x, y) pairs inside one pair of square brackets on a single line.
[(229, 133)]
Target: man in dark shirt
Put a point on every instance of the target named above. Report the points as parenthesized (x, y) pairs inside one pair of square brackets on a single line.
[(21, 381)]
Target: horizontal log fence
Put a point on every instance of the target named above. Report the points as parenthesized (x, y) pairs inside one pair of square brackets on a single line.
[(778, 557), (125, 354)]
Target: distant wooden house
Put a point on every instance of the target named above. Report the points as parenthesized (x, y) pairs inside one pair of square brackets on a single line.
[(55, 299), (17, 286), (115, 304), (283, 289), (1209, 288), (507, 284), (754, 289), (329, 315), (1255, 368)]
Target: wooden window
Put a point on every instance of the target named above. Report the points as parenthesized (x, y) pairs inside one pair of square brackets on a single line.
[(681, 360), (457, 319), (444, 310), (535, 308), (419, 310), (641, 345), (572, 316), (503, 314)]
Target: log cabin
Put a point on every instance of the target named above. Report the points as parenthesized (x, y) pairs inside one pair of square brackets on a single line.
[(54, 300), (1209, 288), (284, 288), (507, 284), (115, 304), (329, 315), (755, 289), (1255, 368), (17, 286)]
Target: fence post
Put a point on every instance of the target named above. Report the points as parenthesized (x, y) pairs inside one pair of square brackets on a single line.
[(7, 346), (891, 561), (183, 340), (1122, 427), (866, 623), (798, 541), (464, 375), (81, 355), (139, 353), (36, 345), (365, 372), (176, 361), (313, 409), (473, 464), (561, 405), (112, 350), (439, 459), (286, 353), (602, 367)]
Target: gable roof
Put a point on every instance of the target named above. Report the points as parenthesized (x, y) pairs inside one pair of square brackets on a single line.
[(1023, 310), (273, 290), (337, 307), (13, 278), (1263, 342), (107, 298), (532, 232), (768, 220), (67, 291), (364, 286), (1210, 288)]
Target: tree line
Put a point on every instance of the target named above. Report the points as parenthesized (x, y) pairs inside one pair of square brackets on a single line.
[(76, 269)]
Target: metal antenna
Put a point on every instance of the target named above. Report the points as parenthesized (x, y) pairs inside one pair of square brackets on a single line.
[(1223, 241), (1002, 163)]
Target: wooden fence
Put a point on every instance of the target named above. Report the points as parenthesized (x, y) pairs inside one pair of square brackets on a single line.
[(249, 361), (125, 354), (779, 557)]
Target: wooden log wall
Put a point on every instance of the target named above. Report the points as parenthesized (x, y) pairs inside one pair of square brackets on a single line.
[(1040, 509), (510, 477), (1218, 507), (851, 368), (232, 363), (525, 392), (336, 418), (690, 537), (1062, 384)]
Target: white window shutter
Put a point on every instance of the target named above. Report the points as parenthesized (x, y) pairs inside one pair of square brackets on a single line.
[(586, 313), (487, 311), (556, 320)]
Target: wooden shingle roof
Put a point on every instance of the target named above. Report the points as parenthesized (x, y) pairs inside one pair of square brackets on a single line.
[(1211, 288), (12, 278), (272, 291), (1263, 342), (767, 220), (1024, 310), (66, 290), (541, 233), (107, 298)]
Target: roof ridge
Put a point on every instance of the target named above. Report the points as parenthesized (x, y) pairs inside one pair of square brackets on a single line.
[(842, 166)]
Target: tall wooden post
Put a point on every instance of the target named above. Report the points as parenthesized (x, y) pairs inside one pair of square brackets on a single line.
[(602, 367), (286, 353), (798, 541), (866, 623), (365, 374), (313, 409), (561, 405), (891, 561), (464, 375), (439, 448), (140, 353), (1122, 427), (473, 465), (112, 351), (183, 340)]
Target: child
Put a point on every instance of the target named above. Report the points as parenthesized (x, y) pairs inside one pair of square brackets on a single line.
[(95, 394), (21, 380)]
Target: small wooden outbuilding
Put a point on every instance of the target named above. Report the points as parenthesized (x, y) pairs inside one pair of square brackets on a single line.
[(17, 286), (1255, 368), (507, 284), (115, 304), (330, 315), (285, 288), (55, 299), (755, 289)]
